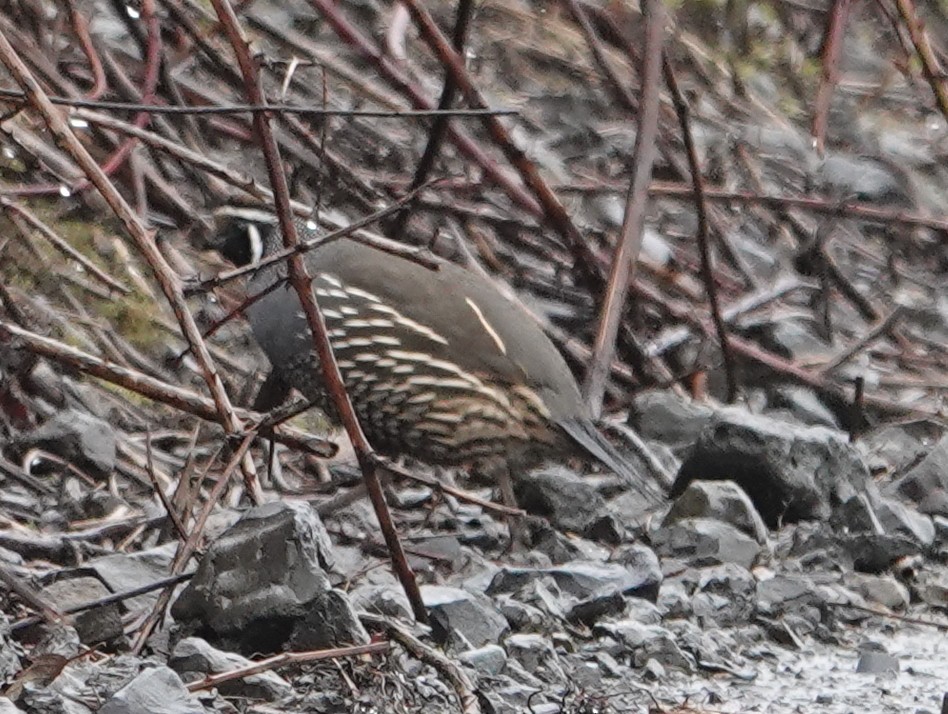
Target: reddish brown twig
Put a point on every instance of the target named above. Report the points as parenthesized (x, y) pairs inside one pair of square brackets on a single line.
[(934, 73), (81, 27), (633, 222), (351, 35), (553, 210), (832, 47), (616, 85), (440, 125), (281, 660), (302, 283), (704, 231)]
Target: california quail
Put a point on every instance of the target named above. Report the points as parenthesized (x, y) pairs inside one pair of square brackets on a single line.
[(440, 366)]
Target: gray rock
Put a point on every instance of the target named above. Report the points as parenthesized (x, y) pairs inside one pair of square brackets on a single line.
[(674, 600), (877, 663), (703, 541), (927, 483), (547, 596), (193, 658), (69, 692), (263, 584), (642, 611), (122, 572), (522, 616), (721, 500), (932, 589), (330, 622), (157, 691), (648, 642), (792, 338), (8, 707), (726, 595), (663, 416), (857, 515), (580, 579), (642, 562), (941, 529), (462, 619), (897, 448), (593, 609), (489, 659), (562, 548), (79, 438), (9, 652), (879, 589), (511, 697), (876, 552), (790, 472), (386, 600), (568, 501), (536, 655), (100, 624), (899, 519), (59, 639), (785, 594)]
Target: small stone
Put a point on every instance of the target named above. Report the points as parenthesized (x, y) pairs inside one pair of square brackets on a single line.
[(642, 561), (489, 659), (593, 609), (880, 589), (648, 642), (786, 594), (193, 658), (877, 663), (382, 600), (158, 690), (8, 707), (703, 541), (674, 600), (899, 519), (721, 500), (654, 670), (726, 595), (568, 501), (664, 416), (536, 655), (926, 484), (803, 404), (263, 584), (10, 663), (330, 622), (462, 619), (581, 579), (96, 625)]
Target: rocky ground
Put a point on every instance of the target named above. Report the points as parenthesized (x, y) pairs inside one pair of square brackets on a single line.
[(798, 563)]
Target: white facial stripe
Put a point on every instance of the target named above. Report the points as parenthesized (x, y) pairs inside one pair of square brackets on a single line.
[(256, 243)]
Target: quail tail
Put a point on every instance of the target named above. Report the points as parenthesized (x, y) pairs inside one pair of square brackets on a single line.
[(587, 436)]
